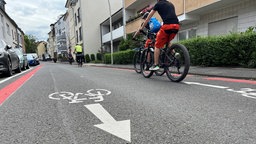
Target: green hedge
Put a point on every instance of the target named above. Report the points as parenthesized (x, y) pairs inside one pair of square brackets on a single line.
[(121, 57), (87, 58), (237, 50), (92, 57), (231, 50)]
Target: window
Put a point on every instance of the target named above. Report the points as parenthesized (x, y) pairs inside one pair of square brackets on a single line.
[(78, 15), (8, 29), (187, 34), (12, 35), (182, 35), (191, 33), (80, 34), (118, 23), (223, 27), (76, 36), (2, 18), (75, 19), (2, 21)]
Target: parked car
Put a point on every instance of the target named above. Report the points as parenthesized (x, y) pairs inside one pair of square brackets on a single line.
[(9, 60), (23, 58), (33, 59)]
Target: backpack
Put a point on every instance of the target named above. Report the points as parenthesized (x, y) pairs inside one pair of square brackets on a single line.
[(154, 25)]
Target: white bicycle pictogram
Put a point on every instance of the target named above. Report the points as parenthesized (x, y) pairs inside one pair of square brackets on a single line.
[(92, 94)]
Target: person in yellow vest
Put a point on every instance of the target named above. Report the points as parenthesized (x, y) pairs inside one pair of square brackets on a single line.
[(79, 53)]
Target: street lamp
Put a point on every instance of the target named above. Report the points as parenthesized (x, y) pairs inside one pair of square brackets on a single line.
[(111, 35)]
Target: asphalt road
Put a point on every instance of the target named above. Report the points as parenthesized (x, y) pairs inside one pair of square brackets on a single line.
[(64, 104)]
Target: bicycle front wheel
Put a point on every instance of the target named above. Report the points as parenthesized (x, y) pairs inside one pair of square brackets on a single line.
[(147, 60), (177, 62), (136, 62)]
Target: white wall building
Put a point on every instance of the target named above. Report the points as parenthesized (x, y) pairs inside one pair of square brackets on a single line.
[(60, 34), (9, 30), (220, 18), (85, 18), (118, 31)]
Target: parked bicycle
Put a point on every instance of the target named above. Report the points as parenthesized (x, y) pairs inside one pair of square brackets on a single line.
[(174, 61)]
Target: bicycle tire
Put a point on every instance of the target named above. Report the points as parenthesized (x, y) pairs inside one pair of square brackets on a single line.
[(160, 72), (136, 61), (145, 65), (177, 68)]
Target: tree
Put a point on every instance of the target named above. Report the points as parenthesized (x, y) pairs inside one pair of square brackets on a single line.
[(30, 44), (129, 43)]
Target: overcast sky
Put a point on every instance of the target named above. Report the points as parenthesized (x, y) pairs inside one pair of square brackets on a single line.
[(35, 16)]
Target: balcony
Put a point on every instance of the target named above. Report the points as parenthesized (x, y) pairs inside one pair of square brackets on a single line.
[(137, 4), (117, 33), (133, 26), (198, 7), (61, 38)]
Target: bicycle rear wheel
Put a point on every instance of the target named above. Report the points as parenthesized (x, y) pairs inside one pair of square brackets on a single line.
[(136, 61), (177, 62), (147, 60)]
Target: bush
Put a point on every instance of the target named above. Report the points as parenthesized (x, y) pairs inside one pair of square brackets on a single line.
[(121, 57), (92, 57), (231, 50), (128, 43), (87, 58), (99, 56)]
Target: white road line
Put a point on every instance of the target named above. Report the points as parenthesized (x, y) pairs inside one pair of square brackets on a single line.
[(2, 81), (245, 92), (207, 85)]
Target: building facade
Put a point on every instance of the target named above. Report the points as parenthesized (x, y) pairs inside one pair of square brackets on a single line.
[(60, 34), (118, 31), (42, 50), (9, 30), (51, 43), (88, 22), (85, 19), (201, 17), (73, 24)]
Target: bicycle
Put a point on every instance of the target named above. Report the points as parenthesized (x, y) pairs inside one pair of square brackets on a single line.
[(175, 62), (138, 53), (152, 37), (137, 56), (79, 60)]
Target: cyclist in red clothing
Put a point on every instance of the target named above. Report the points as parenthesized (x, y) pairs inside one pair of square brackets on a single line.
[(168, 30)]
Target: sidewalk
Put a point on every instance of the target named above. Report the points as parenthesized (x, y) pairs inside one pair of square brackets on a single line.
[(238, 73)]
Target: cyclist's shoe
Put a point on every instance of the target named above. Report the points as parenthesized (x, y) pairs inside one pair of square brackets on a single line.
[(154, 68)]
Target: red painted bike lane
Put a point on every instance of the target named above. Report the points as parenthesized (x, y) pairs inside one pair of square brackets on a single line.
[(7, 91), (231, 80)]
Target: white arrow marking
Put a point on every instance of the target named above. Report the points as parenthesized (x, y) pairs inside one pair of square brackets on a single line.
[(207, 85), (120, 129)]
